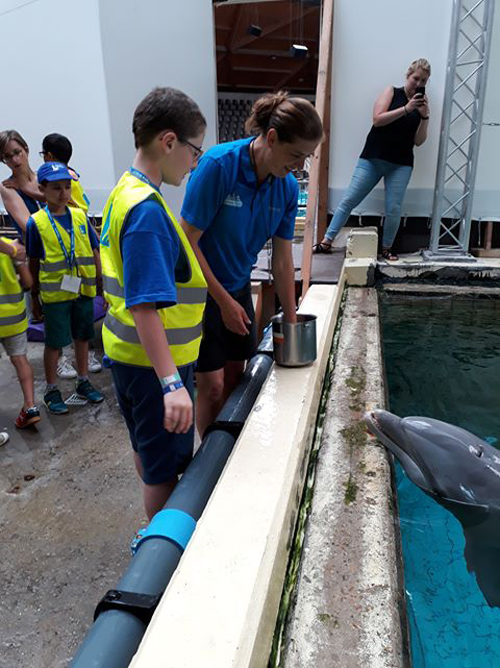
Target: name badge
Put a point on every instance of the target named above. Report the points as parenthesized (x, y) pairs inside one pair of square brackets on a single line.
[(71, 283)]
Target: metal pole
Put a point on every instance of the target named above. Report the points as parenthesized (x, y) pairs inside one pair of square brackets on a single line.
[(437, 206), (480, 96)]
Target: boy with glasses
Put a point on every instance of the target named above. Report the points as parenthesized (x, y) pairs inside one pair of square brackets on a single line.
[(156, 293), (58, 148)]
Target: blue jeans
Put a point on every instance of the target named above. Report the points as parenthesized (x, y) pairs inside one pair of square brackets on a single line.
[(367, 174)]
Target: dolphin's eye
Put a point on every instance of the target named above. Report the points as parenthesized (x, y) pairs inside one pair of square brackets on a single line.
[(476, 451)]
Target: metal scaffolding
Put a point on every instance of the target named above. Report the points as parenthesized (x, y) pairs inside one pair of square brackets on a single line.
[(468, 57)]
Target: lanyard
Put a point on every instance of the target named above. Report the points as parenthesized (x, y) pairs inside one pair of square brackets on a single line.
[(142, 177), (70, 259)]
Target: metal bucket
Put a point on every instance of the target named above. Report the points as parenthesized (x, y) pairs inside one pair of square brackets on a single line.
[(294, 343)]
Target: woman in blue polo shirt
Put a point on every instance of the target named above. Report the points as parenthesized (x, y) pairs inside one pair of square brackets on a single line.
[(241, 194)]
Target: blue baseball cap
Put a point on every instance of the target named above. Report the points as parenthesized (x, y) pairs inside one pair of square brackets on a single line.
[(53, 171)]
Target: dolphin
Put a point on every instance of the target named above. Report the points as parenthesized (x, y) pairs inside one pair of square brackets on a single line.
[(462, 473)]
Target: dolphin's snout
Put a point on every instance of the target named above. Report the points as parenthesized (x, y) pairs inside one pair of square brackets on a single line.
[(371, 417)]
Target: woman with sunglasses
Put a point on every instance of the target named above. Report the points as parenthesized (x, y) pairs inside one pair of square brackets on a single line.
[(20, 193), (241, 195)]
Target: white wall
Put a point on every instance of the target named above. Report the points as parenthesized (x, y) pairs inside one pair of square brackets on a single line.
[(374, 42), (53, 81), (81, 67), (487, 194), (170, 44)]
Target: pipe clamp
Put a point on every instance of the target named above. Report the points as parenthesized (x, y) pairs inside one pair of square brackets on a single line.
[(140, 605)]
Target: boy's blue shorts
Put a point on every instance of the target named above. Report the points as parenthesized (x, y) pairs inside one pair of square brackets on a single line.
[(163, 455)]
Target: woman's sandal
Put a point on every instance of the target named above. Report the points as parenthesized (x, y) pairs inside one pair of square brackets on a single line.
[(322, 248), (387, 254)]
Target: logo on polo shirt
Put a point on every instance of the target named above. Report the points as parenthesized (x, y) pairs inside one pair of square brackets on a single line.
[(233, 200)]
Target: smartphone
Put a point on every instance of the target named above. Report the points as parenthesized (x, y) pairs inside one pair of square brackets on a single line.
[(420, 90)]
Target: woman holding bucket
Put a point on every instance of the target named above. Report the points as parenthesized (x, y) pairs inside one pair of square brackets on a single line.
[(241, 194)]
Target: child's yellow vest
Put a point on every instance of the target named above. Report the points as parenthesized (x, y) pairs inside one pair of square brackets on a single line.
[(78, 196), (183, 321), (55, 266), (12, 307)]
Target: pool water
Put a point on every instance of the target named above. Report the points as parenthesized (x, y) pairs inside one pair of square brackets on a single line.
[(442, 359)]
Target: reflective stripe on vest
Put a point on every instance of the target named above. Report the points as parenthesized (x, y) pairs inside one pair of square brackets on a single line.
[(86, 261), (185, 295), (176, 336), (56, 287), (12, 299), (12, 319), (55, 266)]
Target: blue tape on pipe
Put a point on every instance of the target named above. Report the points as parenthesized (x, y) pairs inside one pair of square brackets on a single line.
[(176, 525)]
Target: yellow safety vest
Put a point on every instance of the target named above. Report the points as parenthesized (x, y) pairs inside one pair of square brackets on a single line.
[(54, 266), (12, 307), (183, 321), (78, 196)]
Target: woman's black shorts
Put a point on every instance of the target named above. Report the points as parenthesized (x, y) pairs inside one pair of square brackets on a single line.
[(219, 345)]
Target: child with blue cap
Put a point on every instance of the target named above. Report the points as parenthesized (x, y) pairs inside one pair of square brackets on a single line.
[(64, 261), (58, 148)]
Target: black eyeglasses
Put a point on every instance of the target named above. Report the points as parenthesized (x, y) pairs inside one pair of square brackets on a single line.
[(42, 154), (198, 151), (13, 154)]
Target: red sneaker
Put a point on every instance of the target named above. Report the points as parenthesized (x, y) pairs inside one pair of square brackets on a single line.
[(28, 417)]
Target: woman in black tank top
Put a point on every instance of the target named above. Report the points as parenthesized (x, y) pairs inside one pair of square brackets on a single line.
[(20, 193), (400, 120)]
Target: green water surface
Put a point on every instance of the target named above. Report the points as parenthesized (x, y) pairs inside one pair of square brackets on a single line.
[(442, 359)]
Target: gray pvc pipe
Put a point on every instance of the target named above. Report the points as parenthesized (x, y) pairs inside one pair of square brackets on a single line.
[(115, 636)]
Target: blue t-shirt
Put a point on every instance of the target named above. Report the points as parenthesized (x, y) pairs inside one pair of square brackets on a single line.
[(236, 214), (34, 245), (150, 252)]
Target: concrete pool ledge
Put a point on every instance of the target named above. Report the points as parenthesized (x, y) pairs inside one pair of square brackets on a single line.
[(348, 609), (361, 256), (412, 266), (220, 608)]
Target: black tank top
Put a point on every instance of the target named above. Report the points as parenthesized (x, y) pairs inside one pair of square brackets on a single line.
[(394, 142)]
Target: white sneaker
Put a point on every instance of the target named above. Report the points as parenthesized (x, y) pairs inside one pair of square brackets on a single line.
[(4, 437), (64, 368), (94, 365)]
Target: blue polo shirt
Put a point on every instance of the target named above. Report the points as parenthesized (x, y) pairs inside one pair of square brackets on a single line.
[(235, 213)]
